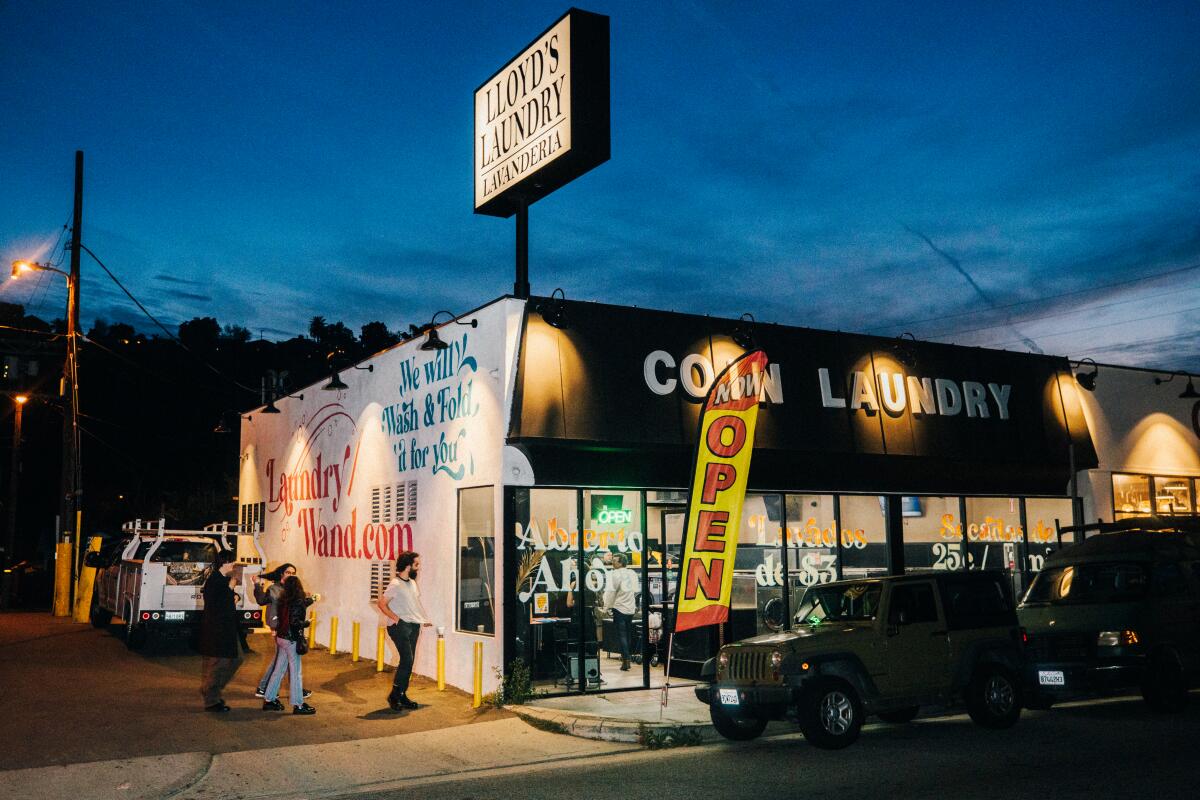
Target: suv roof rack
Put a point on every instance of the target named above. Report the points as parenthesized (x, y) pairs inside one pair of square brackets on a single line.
[(1181, 523)]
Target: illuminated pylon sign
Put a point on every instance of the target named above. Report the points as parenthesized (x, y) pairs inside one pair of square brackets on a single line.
[(726, 442)]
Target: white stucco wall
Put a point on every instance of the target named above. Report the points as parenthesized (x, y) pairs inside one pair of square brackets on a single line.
[(450, 438), (1136, 426)]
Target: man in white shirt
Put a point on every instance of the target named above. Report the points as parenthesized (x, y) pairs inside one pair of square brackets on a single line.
[(621, 595), (401, 605)]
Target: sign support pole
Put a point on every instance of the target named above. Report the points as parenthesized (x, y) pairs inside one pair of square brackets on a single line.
[(521, 287)]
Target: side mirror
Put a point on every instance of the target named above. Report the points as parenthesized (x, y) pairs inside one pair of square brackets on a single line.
[(94, 559)]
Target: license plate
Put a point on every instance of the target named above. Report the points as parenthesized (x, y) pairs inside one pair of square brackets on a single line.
[(1051, 677), (173, 615), (729, 697)]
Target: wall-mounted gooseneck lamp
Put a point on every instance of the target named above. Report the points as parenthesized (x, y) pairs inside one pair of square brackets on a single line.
[(904, 351), (336, 384), (553, 309), (221, 427), (432, 340), (743, 332), (1189, 392), (1087, 380), (271, 408), (272, 384)]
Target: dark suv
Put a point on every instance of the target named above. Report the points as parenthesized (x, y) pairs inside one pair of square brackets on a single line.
[(1118, 611), (882, 646)]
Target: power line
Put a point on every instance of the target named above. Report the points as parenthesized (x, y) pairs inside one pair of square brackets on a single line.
[(958, 331), (1072, 293), (162, 327), (49, 334), (1105, 325), (1155, 340), (39, 290)]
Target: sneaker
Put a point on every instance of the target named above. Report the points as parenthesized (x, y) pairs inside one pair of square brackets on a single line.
[(307, 693), (260, 693), (272, 705), (217, 708), (305, 709)]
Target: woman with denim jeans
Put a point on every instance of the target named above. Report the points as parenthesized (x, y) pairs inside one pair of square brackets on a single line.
[(269, 596), (293, 606)]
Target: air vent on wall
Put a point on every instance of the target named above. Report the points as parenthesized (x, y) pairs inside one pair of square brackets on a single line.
[(381, 576)]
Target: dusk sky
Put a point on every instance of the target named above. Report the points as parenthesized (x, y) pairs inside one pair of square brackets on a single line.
[(1024, 176)]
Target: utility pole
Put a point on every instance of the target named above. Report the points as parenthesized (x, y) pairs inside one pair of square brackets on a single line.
[(71, 483), (14, 476)]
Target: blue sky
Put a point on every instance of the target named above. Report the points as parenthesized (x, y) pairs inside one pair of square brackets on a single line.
[(1024, 176)]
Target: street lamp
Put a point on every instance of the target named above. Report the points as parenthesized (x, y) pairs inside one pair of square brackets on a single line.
[(19, 268), (71, 475)]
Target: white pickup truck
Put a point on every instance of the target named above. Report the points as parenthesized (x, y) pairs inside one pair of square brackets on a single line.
[(152, 579)]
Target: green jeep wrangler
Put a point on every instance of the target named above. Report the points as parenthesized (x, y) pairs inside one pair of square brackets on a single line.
[(883, 646)]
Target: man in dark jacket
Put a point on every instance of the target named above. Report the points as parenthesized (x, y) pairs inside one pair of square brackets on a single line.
[(219, 633)]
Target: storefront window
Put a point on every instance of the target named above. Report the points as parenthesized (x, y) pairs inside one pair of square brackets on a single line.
[(1172, 495), (614, 539), (549, 607), (1131, 495), (863, 536), (1043, 516), (476, 561), (812, 542), (756, 605), (932, 533), (994, 534)]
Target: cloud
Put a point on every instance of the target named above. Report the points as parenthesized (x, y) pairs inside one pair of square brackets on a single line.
[(200, 298), (176, 279)]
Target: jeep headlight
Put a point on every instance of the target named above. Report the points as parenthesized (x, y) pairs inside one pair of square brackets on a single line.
[(722, 663), (776, 660), (1117, 638)]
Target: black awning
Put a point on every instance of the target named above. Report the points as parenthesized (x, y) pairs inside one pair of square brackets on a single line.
[(611, 396), (578, 463)]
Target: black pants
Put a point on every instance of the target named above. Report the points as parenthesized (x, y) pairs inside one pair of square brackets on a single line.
[(624, 625), (404, 636), (217, 672)]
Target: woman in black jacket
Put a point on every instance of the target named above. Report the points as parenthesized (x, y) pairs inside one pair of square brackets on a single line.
[(289, 632), (219, 639), (268, 595)]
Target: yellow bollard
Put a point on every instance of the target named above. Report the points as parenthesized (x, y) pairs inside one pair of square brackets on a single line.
[(379, 650), (62, 579), (85, 584), (312, 633), (441, 661), (333, 636), (354, 642), (477, 700)]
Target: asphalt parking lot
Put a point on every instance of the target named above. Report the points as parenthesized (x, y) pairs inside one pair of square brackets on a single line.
[(70, 693)]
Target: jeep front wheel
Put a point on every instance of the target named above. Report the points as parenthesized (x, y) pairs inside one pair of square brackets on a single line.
[(994, 698), (734, 728), (830, 714)]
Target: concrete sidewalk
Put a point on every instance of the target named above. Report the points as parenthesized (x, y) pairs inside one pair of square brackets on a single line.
[(624, 716), (309, 771)]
